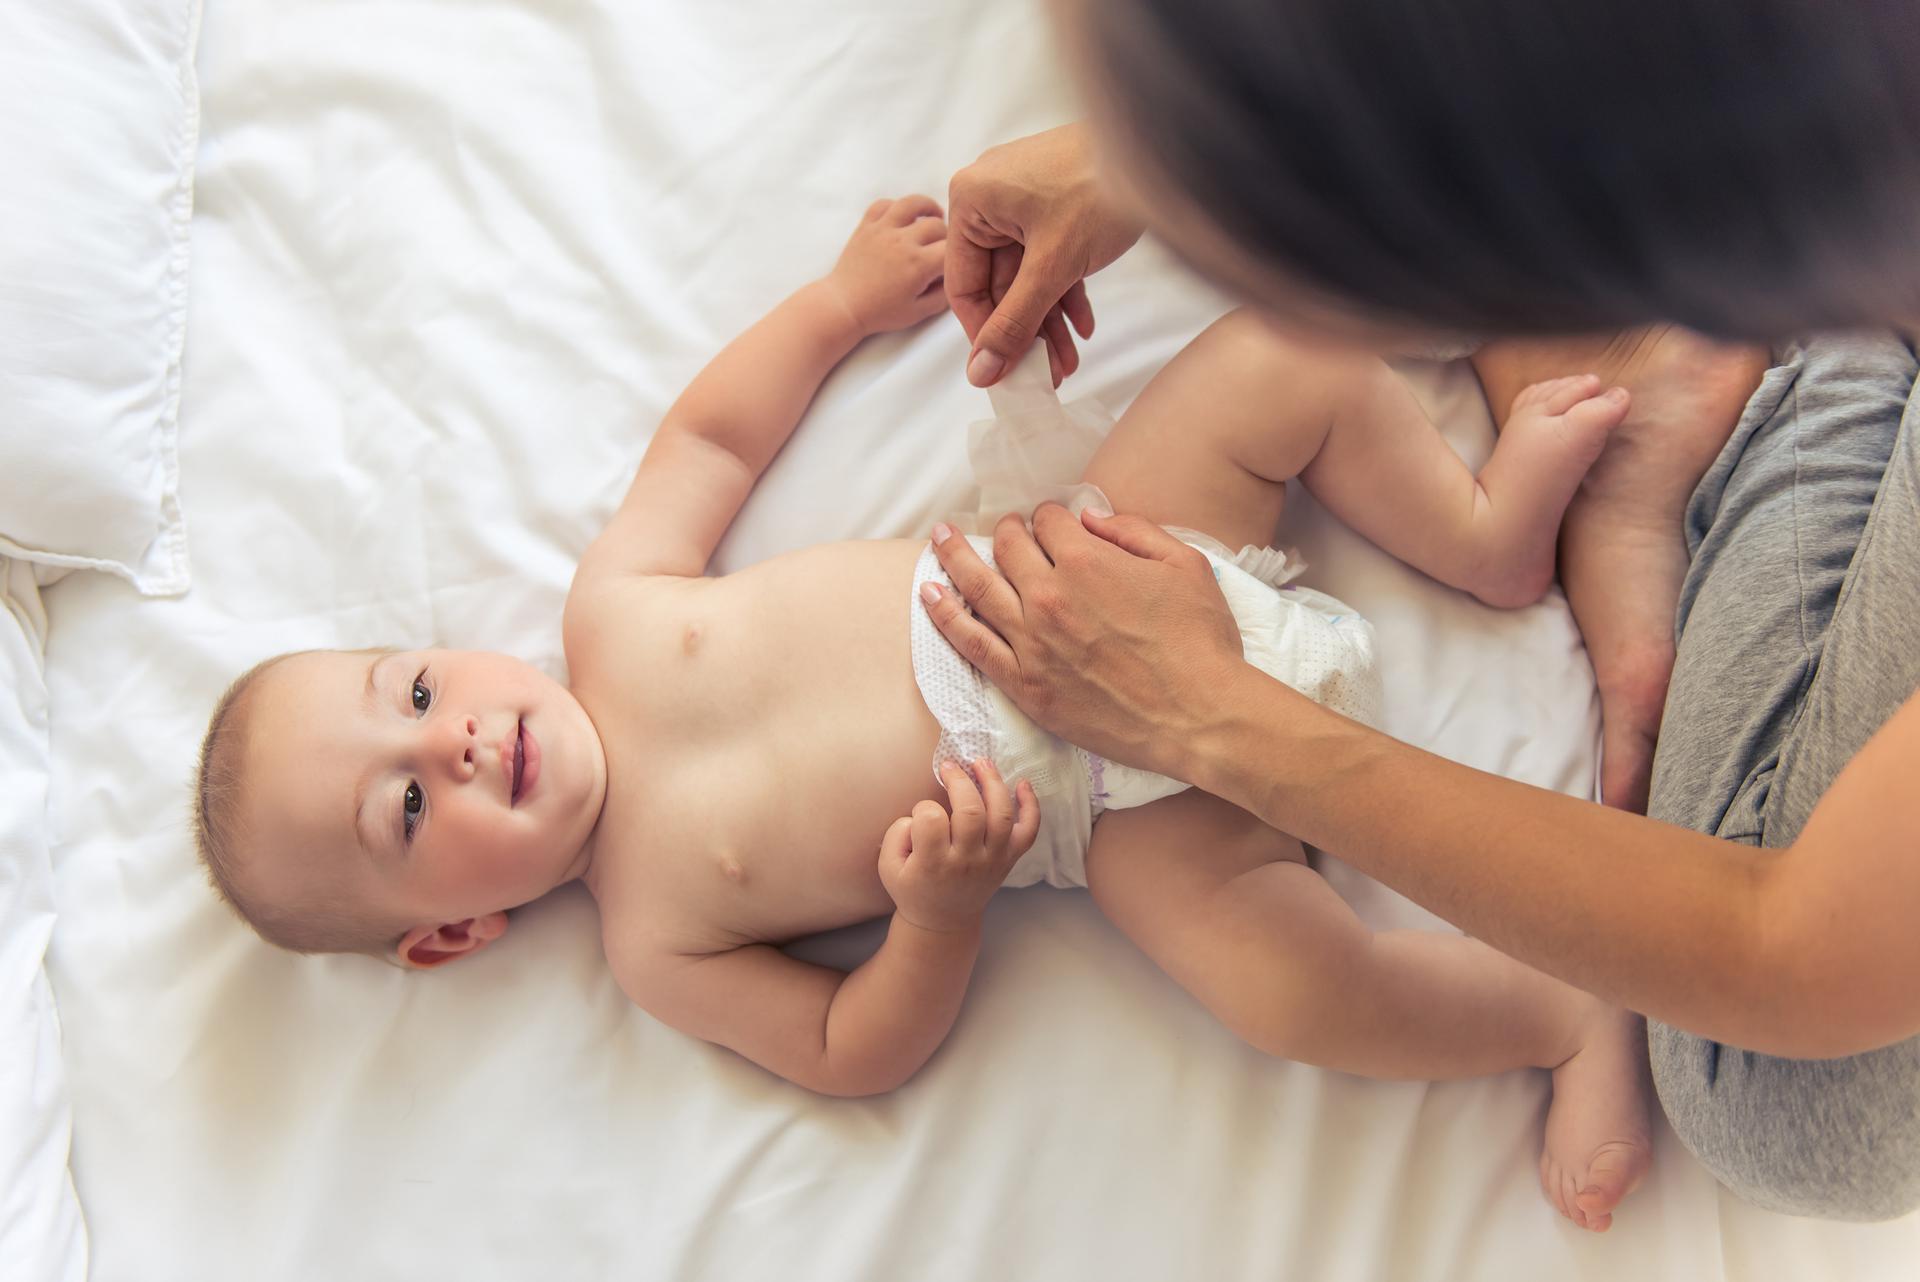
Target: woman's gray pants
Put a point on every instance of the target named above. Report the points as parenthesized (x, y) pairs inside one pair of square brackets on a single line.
[(1799, 635)]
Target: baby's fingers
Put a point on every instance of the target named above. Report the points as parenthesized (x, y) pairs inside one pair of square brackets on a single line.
[(894, 847), (996, 798), (963, 799), (930, 301), (1026, 821), (930, 832), (930, 261), (908, 208)]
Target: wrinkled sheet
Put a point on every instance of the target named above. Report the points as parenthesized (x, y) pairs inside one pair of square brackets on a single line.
[(451, 263), (41, 1232)]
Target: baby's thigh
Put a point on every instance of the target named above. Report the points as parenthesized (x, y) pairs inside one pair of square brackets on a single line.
[(1148, 866), (1211, 442)]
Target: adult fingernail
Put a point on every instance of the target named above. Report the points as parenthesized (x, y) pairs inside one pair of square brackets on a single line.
[(1617, 394), (984, 367), (930, 593), (1098, 511), (941, 532)]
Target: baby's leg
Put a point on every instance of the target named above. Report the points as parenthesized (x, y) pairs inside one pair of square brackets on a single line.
[(1228, 906), (1212, 440), (1622, 550), (1241, 410), (1241, 922)]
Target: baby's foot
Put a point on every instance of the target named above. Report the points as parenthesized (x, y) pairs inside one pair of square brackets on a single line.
[(1599, 1145), (1622, 554), (1578, 411), (1554, 433)]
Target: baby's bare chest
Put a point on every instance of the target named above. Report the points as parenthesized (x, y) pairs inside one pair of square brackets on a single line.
[(766, 732)]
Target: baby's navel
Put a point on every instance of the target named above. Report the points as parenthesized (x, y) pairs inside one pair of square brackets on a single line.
[(690, 640), (733, 870)]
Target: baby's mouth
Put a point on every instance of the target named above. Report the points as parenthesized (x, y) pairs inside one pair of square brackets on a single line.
[(519, 761)]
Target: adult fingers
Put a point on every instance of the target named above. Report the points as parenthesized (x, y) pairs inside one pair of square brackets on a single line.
[(969, 810), (1078, 309), (1059, 535), (1006, 266), (983, 588), (1006, 269), (969, 273), (1139, 536), (973, 640), (1022, 560), (1066, 359), (1039, 280)]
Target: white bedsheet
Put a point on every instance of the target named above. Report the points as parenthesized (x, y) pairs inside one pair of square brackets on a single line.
[(452, 261)]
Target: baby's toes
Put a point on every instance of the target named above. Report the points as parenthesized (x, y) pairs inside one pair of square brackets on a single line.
[(1555, 396), (1592, 417), (1550, 1184), (1564, 393), (1615, 1170)]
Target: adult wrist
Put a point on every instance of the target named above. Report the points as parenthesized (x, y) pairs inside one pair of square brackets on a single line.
[(1238, 712)]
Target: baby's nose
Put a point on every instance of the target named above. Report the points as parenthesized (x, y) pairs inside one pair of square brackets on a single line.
[(462, 744)]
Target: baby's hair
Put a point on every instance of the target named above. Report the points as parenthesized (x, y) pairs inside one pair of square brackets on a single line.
[(330, 925)]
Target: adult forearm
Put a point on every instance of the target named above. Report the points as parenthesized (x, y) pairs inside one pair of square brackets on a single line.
[(893, 1012), (1659, 918)]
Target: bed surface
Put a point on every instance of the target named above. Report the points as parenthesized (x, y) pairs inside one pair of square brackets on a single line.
[(451, 263)]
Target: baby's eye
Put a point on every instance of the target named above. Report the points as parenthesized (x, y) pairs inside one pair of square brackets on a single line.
[(422, 697), (410, 807)]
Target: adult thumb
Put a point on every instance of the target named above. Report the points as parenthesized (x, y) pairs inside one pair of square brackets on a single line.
[(1007, 334)]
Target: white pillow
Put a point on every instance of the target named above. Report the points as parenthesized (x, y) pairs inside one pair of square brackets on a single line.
[(99, 118), (41, 1235)]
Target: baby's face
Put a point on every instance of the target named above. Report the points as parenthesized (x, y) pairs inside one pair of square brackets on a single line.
[(441, 784)]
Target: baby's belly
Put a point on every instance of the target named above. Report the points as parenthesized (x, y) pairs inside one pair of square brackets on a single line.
[(833, 741)]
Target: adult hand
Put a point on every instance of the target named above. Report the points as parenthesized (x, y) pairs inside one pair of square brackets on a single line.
[(1027, 223), (1108, 631)]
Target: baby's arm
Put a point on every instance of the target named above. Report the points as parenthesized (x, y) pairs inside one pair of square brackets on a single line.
[(869, 1030), (726, 427)]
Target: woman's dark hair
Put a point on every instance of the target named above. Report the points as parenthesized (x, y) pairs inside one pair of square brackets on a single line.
[(1747, 167)]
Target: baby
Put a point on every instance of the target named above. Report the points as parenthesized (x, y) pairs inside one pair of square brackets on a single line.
[(743, 761)]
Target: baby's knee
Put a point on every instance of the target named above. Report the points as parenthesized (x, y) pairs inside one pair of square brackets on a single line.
[(1251, 340)]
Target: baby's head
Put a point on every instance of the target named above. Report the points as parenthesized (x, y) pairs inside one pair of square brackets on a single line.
[(394, 803)]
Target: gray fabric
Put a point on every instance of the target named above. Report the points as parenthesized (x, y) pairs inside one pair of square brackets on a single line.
[(1799, 635)]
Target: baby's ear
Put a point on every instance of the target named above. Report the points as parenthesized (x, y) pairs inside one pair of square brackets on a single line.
[(425, 947)]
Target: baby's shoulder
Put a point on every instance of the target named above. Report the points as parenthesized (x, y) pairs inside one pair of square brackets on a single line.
[(615, 611)]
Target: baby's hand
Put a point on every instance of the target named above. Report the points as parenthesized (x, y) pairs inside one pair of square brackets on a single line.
[(941, 870), (890, 275)]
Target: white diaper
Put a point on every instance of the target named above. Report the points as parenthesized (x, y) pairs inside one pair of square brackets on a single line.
[(1305, 638)]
